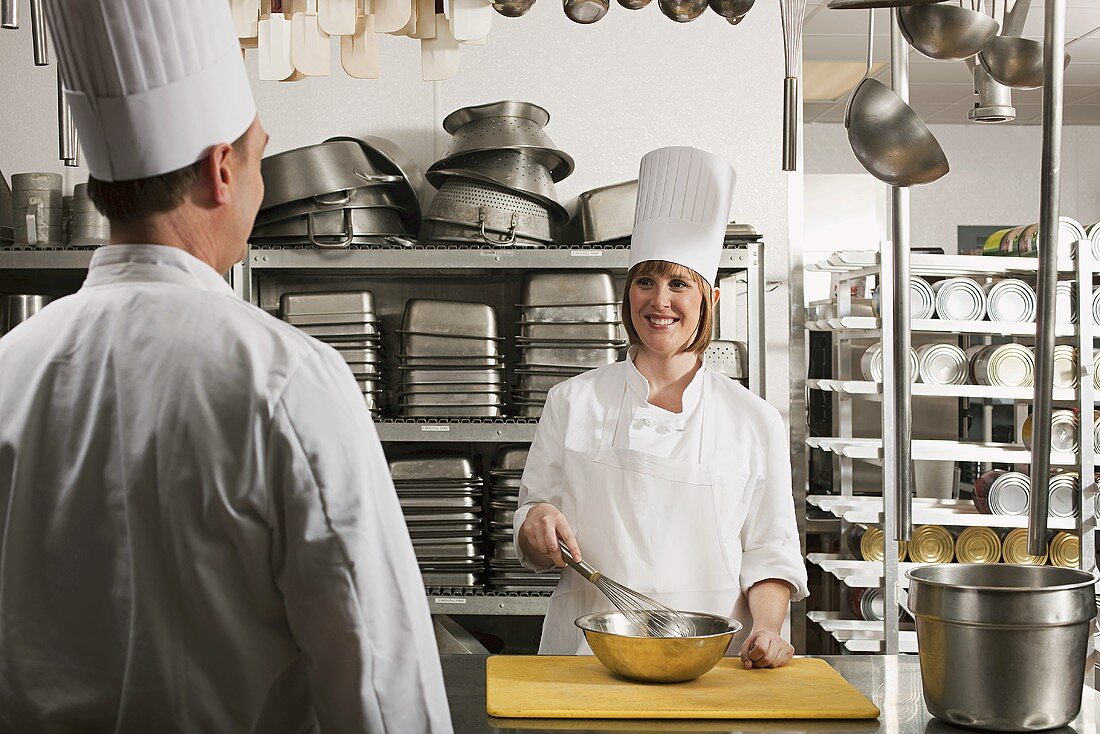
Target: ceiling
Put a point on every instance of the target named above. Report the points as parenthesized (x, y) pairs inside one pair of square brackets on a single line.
[(942, 91)]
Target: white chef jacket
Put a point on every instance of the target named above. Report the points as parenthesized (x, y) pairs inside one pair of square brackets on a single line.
[(753, 497), (199, 530)]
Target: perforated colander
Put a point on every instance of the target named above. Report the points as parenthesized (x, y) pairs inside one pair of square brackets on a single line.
[(511, 169), (508, 133), (487, 208)]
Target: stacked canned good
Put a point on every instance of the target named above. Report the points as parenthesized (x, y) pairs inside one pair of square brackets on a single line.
[(868, 542), (1065, 429), (1002, 365), (1000, 492), (1023, 241), (976, 544), (505, 571), (867, 603)]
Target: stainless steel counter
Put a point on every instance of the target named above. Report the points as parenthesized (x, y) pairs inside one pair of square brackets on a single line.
[(893, 683)]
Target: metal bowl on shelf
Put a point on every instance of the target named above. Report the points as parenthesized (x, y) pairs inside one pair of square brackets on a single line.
[(624, 649)]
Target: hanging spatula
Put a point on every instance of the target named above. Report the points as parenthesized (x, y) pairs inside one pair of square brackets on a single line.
[(309, 45), (273, 44), (409, 29), (359, 51), (391, 16), (338, 17), (246, 17), (470, 20), (439, 56), (425, 19)]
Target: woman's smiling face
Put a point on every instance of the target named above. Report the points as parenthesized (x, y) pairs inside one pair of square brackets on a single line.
[(665, 309)]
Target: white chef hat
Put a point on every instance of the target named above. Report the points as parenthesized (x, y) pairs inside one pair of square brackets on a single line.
[(153, 84), (683, 207)]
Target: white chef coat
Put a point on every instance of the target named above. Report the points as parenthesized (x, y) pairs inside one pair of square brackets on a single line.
[(748, 456), (199, 530)]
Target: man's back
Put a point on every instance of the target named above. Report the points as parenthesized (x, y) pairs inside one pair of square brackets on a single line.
[(190, 504)]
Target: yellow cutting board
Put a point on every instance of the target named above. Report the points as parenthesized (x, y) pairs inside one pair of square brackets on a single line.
[(576, 687)]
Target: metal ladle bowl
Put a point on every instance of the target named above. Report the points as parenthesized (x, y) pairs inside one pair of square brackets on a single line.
[(733, 10), (946, 31), (1015, 62), (634, 4), (682, 11), (887, 136)]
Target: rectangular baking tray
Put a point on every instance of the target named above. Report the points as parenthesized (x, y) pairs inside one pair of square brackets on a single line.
[(423, 345), (431, 466), (327, 302), (413, 376), (569, 313), (568, 286), (429, 316), (453, 411)]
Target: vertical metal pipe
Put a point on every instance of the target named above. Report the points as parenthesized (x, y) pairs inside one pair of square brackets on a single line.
[(902, 344), (1054, 48), (38, 34), (790, 123), (9, 13), (64, 122)]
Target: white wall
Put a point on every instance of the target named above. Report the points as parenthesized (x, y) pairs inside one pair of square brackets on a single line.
[(616, 89), (994, 176)]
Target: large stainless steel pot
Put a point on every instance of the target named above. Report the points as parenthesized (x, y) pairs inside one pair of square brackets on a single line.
[(1002, 647), (412, 191), (306, 172)]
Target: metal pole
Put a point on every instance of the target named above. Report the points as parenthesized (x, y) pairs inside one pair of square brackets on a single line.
[(64, 122), (1054, 49)]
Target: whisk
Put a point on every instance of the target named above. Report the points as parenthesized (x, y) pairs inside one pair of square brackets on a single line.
[(794, 12), (645, 615)]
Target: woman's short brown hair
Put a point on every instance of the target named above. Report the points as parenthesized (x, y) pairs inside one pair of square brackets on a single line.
[(665, 269)]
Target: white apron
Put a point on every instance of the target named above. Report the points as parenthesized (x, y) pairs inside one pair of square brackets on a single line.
[(651, 524)]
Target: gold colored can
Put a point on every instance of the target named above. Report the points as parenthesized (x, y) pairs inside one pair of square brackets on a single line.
[(978, 545), (932, 544), (872, 546), (1065, 550), (1014, 549)]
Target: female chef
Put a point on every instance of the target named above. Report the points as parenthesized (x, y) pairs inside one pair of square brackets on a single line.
[(668, 477)]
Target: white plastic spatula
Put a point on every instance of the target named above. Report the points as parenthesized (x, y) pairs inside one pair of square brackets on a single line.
[(337, 17), (470, 19), (391, 16), (439, 56), (273, 44), (309, 45), (425, 19), (246, 17), (359, 51), (409, 29)]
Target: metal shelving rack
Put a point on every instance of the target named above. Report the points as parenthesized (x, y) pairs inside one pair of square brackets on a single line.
[(45, 268), (848, 267)]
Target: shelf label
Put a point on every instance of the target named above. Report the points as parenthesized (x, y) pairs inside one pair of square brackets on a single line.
[(586, 253), (498, 253), (449, 600), (435, 429)]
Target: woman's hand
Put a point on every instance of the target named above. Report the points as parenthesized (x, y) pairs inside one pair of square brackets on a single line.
[(765, 649), (543, 527)]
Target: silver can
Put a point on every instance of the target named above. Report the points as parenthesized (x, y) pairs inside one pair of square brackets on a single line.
[(1065, 366), (871, 363), (1096, 306), (942, 364), (1065, 431), (1063, 495), (1065, 301), (959, 299), (1002, 493), (1003, 365), (1010, 301), (922, 299)]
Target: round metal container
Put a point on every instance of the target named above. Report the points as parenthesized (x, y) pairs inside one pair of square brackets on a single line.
[(1009, 245), (1065, 550), (1065, 301), (870, 542), (1000, 492), (978, 545), (959, 299), (1096, 368), (1062, 497), (867, 604), (1096, 306), (931, 544), (922, 299), (1014, 549), (871, 363), (942, 364), (1064, 431), (1003, 365), (1065, 366), (992, 244), (17, 308), (1010, 301), (1002, 647)]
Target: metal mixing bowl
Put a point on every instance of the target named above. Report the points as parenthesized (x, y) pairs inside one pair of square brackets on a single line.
[(625, 650)]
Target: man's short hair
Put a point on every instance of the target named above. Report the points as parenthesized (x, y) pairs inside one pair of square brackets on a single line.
[(132, 201)]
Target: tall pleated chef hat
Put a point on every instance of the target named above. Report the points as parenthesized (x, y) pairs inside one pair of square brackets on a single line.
[(683, 207), (153, 84)]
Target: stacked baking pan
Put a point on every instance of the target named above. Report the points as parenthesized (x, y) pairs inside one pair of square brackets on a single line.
[(451, 362), (347, 321), (568, 324), (339, 193), (505, 571), (496, 182), (441, 497)]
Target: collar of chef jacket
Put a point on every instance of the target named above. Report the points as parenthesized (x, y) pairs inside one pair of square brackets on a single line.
[(639, 386), (114, 264)]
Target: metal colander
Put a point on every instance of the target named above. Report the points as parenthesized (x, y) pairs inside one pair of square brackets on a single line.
[(493, 215), (492, 134), (510, 169)]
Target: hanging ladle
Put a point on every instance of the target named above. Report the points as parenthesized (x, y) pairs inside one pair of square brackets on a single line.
[(946, 31), (887, 136), (1013, 61)]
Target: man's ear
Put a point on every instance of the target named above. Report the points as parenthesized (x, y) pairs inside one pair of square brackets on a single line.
[(218, 173)]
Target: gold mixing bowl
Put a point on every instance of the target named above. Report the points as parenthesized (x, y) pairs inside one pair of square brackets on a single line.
[(623, 649)]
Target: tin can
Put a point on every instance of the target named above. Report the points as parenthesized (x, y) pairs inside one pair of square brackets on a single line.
[(959, 299), (1028, 243), (1065, 303), (932, 544), (1063, 497), (922, 300), (1000, 492), (1096, 368), (867, 604), (1096, 306), (868, 543), (978, 545), (942, 364), (992, 244), (1011, 301), (1004, 365), (1009, 245), (1065, 366), (1065, 431), (1065, 550), (1014, 549), (870, 364)]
